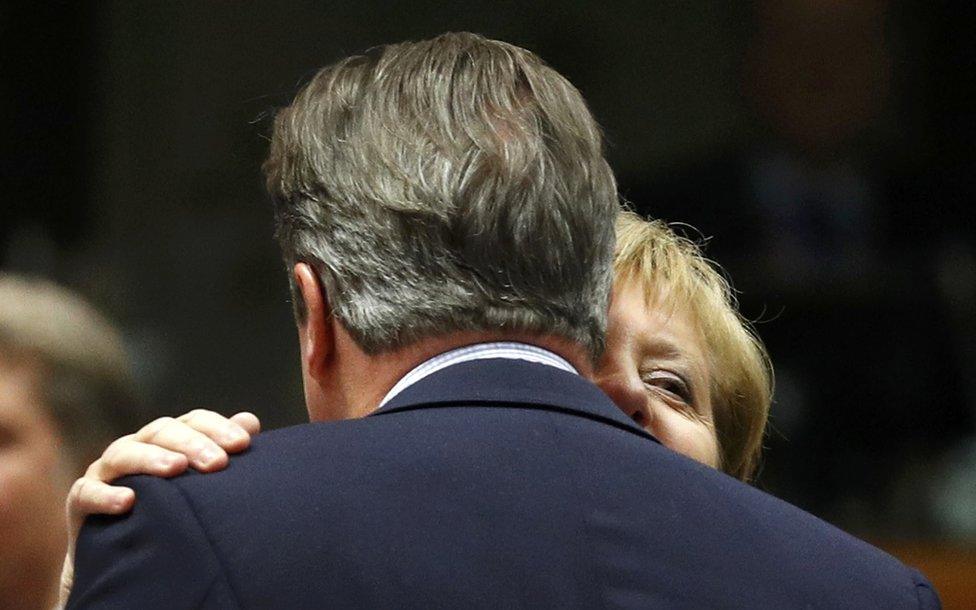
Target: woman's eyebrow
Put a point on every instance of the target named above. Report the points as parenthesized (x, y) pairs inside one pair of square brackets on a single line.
[(663, 347)]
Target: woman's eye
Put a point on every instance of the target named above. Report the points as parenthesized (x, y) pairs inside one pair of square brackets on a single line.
[(670, 383)]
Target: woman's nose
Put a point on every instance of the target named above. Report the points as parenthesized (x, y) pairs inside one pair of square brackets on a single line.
[(630, 396)]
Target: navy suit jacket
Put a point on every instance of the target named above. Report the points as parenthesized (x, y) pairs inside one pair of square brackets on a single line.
[(489, 484)]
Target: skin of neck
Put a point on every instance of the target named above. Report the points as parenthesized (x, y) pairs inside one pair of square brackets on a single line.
[(343, 382)]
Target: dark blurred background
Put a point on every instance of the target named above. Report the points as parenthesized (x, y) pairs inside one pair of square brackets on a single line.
[(824, 149)]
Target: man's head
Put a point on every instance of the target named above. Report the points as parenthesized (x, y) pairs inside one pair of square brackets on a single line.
[(65, 394), (449, 185)]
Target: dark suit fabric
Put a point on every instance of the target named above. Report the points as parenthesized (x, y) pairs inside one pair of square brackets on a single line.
[(490, 484)]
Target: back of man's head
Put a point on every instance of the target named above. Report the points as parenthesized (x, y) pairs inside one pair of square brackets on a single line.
[(447, 185)]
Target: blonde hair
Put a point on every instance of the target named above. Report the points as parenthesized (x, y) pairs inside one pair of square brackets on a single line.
[(673, 270), (456, 183), (85, 379)]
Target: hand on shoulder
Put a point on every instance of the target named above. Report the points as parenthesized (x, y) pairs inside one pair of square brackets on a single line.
[(165, 447)]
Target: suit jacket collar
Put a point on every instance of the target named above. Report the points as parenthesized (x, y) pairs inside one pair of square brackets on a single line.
[(511, 383)]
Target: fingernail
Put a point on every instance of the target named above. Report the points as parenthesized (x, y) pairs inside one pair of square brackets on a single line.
[(167, 461), (208, 456), (118, 499), (233, 436)]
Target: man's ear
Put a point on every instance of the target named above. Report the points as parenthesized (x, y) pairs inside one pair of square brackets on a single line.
[(315, 332)]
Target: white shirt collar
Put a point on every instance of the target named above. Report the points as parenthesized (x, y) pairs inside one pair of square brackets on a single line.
[(509, 350)]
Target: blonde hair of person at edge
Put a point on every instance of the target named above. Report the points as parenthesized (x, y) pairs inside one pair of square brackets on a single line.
[(65, 393), (680, 360)]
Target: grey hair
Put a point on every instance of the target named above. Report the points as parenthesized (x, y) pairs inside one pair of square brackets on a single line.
[(457, 183)]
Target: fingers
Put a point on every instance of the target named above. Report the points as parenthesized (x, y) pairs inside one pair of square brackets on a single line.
[(165, 447), (90, 496), (202, 452), (230, 435), (248, 421), (204, 437), (128, 456)]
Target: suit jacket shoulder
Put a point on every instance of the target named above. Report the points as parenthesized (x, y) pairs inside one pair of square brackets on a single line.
[(488, 484), (159, 556)]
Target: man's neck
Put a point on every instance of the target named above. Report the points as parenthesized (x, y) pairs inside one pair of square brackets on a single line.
[(364, 379)]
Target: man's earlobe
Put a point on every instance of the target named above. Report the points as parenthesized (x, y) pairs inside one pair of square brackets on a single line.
[(315, 330)]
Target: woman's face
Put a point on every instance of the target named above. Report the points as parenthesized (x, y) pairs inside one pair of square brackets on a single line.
[(34, 481), (655, 369)]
